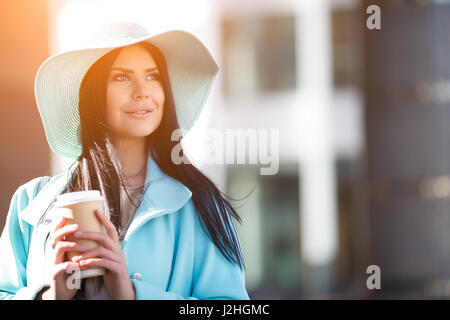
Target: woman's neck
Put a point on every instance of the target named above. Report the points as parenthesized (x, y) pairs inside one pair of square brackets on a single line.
[(133, 155)]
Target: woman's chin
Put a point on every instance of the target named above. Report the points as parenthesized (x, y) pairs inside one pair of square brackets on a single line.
[(134, 135)]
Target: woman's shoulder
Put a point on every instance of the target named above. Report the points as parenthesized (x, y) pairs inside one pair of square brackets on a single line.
[(187, 217), (25, 193), (28, 190), (187, 211)]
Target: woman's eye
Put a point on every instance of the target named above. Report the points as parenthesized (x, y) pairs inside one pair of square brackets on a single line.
[(121, 77), (153, 76), (124, 77)]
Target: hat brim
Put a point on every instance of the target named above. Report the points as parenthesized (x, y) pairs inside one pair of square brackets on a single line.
[(190, 67)]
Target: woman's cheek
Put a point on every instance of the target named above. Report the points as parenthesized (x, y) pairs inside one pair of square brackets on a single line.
[(112, 117)]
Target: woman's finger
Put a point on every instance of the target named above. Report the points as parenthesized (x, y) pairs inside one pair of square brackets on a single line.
[(60, 223), (64, 268), (109, 226), (98, 252), (101, 238), (110, 265), (65, 246), (63, 232)]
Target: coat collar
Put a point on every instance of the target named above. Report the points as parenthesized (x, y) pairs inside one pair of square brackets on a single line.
[(163, 194)]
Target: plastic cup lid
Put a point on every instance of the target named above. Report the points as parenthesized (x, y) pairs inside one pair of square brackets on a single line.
[(78, 196)]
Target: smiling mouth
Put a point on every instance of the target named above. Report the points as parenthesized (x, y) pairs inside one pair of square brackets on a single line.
[(139, 114)]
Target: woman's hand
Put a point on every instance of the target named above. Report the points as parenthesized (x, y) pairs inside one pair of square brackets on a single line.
[(108, 255), (62, 270)]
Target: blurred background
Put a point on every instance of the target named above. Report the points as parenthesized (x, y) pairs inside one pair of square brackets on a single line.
[(364, 166)]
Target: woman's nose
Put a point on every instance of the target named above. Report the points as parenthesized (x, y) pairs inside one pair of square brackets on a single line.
[(141, 92)]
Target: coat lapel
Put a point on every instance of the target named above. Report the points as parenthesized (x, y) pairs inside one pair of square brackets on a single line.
[(163, 195)]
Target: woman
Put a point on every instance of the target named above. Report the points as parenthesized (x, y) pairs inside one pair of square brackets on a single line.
[(169, 234)]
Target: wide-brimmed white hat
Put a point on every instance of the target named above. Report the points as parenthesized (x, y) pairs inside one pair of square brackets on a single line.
[(190, 66)]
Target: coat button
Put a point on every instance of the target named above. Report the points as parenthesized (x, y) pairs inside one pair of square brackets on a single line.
[(136, 276)]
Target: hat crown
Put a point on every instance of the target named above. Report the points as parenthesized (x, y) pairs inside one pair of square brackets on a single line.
[(116, 34)]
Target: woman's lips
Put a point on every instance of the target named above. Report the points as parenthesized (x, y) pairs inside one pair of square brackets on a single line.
[(140, 112), (139, 115), (136, 108)]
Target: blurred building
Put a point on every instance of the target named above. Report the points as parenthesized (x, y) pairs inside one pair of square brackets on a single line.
[(407, 104), (297, 66)]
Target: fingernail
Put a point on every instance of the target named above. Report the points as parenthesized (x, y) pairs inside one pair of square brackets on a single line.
[(82, 262), (75, 258), (78, 234)]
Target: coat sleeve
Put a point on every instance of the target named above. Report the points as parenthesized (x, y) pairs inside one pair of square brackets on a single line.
[(14, 244), (214, 277)]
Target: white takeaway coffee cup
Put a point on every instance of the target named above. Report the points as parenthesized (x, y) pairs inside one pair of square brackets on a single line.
[(79, 208)]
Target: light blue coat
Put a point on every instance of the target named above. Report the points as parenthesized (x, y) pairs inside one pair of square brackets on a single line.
[(168, 254)]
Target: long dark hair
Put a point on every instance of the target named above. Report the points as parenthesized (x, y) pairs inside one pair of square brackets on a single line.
[(99, 168)]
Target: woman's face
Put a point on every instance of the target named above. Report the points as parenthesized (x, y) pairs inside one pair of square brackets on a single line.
[(134, 94)]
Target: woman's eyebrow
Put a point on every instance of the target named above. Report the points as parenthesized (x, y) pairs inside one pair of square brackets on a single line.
[(131, 71)]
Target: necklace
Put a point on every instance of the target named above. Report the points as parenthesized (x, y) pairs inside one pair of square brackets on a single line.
[(135, 187), (139, 173), (128, 209)]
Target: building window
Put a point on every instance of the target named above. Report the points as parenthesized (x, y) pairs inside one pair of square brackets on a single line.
[(270, 229), (346, 48), (259, 55)]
